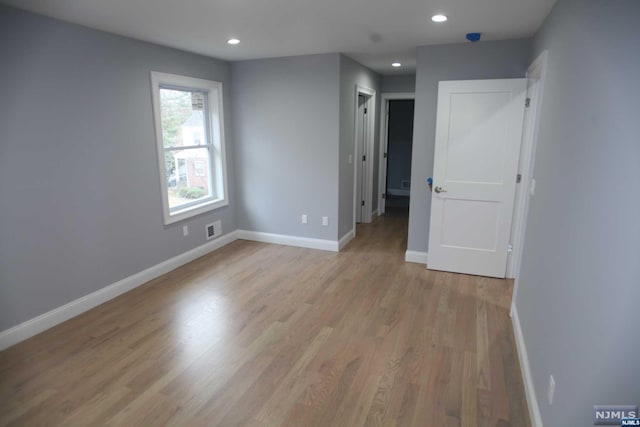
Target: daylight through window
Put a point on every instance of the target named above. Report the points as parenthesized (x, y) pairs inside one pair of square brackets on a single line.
[(190, 141)]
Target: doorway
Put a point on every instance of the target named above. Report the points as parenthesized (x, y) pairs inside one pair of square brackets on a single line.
[(525, 189), (363, 155), (477, 149), (396, 146), (524, 181), (362, 141)]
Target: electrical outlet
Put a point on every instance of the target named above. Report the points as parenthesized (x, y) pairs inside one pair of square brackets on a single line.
[(325, 221), (185, 230), (551, 388), (305, 219)]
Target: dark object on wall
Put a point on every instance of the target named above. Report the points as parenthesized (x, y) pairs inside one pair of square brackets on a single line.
[(473, 37)]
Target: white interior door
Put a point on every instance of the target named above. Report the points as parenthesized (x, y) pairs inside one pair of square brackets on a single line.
[(478, 135), (382, 169), (361, 149)]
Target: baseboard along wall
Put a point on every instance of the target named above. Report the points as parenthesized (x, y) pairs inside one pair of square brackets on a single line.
[(416, 256), (41, 323), (76, 307), (530, 392)]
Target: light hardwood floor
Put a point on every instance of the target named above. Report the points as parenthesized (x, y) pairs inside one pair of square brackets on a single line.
[(267, 335)]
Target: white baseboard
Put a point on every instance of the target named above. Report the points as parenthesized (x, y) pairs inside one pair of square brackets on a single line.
[(374, 212), (346, 239), (283, 239), (398, 192), (530, 392), (58, 315), (416, 256)]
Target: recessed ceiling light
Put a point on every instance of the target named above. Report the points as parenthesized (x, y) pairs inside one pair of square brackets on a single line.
[(438, 18), (396, 64), (233, 41)]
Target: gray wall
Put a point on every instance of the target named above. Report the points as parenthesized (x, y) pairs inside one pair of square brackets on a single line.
[(399, 83), (286, 134), (579, 286), (400, 142), (482, 60), (352, 73), (79, 180)]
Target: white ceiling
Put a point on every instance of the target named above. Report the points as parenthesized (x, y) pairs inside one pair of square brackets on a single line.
[(374, 32)]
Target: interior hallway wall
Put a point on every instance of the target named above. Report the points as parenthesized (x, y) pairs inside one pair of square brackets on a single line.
[(399, 83), (351, 74), (579, 286)]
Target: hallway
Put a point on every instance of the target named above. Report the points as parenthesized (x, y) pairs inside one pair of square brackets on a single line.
[(267, 335)]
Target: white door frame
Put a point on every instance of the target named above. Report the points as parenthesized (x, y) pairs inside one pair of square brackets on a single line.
[(384, 141), (368, 171), (535, 88)]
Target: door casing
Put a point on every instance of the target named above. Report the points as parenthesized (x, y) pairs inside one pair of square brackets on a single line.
[(370, 94)]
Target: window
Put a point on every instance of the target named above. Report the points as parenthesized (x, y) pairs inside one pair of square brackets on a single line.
[(190, 144), (199, 166), (197, 139)]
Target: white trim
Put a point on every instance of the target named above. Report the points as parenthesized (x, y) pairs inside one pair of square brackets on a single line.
[(76, 307), (537, 73), (530, 392), (346, 239), (31, 327), (215, 130), (371, 117), (537, 70), (384, 141), (397, 192), (416, 256), (283, 239)]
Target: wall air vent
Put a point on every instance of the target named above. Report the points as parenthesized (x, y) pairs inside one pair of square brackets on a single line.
[(214, 229)]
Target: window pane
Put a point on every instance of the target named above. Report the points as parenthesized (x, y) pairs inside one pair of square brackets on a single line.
[(190, 143), (182, 117), (188, 176)]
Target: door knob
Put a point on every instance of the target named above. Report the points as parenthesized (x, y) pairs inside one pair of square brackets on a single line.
[(439, 189)]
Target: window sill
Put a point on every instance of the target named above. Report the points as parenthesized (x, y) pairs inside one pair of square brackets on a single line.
[(181, 215)]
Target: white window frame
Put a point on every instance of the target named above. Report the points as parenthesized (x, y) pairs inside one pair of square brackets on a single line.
[(214, 127)]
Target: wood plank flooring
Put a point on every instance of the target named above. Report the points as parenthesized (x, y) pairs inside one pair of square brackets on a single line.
[(265, 335)]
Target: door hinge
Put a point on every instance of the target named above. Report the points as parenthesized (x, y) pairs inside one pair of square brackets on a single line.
[(365, 111), (519, 178), (385, 155), (527, 102), (384, 195), (363, 203), (364, 158), (510, 248)]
